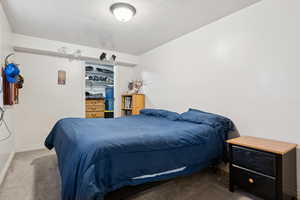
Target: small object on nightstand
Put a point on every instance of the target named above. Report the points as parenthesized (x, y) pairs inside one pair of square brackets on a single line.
[(263, 167)]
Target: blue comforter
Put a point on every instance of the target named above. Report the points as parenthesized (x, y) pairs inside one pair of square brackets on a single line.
[(96, 156)]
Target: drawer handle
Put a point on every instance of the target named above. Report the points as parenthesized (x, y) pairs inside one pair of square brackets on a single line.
[(251, 180)]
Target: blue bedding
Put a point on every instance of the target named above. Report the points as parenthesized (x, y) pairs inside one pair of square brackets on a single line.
[(97, 156)]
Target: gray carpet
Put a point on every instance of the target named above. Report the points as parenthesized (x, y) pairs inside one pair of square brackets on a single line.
[(34, 176)]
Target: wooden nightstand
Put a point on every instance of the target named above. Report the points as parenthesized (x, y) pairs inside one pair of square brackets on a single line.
[(263, 167)]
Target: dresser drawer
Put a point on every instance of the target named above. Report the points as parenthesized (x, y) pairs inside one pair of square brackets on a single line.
[(94, 102), (94, 114), (260, 185), (254, 160), (93, 108)]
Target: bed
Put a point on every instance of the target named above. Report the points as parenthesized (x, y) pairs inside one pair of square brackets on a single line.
[(97, 156)]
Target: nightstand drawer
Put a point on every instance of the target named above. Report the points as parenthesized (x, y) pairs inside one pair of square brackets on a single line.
[(260, 185), (254, 160)]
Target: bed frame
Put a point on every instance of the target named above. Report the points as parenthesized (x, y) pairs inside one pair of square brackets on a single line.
[(129, 192)]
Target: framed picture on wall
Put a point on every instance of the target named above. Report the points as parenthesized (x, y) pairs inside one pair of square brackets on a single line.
[(61, 77)]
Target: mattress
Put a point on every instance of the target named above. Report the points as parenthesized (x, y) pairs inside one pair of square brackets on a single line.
[(97, 156)]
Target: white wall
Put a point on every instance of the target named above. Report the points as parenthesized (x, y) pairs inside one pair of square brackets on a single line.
[(42, 96), (43, 101), (123, 75), (245, 66), (7, 146)]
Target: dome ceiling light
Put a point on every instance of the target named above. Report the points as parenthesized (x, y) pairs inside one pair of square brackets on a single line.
[(123, 11)]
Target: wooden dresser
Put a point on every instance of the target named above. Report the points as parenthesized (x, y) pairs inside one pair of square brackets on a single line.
[(132, 104), (94, 108), (263, 167)]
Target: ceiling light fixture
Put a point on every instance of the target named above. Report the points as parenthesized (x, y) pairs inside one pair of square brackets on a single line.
[(123, 11)]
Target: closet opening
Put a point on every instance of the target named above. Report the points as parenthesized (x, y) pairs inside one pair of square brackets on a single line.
[(99, 90)]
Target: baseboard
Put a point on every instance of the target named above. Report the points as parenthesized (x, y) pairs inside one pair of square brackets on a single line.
[(6, 167)]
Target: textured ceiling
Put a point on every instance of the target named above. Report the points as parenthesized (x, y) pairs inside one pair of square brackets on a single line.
[(90, 23)]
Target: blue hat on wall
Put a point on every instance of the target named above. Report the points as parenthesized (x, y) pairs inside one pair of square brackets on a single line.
[(12, 72)]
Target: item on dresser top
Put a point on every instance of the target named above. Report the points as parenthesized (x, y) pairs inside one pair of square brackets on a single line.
[(263, 167)]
